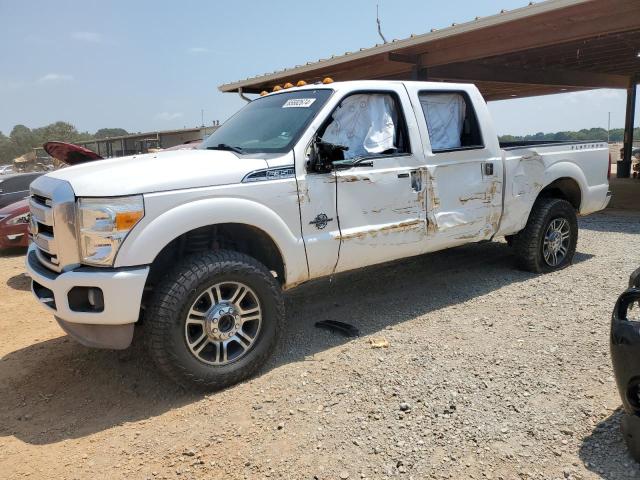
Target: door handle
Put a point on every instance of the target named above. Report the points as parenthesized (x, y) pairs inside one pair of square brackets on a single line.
[(403, 175), (487, 168)]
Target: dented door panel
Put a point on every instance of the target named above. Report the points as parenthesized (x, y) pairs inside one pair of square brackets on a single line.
[(381, 211), (463, 202)]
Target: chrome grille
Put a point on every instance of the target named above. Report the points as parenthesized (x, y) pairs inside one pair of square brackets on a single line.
[(52, 223)]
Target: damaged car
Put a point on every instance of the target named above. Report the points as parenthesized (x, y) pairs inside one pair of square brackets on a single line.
[(625, 355)]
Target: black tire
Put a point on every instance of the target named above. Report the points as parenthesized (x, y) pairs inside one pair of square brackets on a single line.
[(174, 297), (528, 244)]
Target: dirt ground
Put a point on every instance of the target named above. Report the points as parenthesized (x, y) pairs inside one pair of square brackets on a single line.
[(490, 373)]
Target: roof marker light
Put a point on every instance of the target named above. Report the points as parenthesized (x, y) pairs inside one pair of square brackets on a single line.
[(327, 80), (263, 93), (288, 85), (301, 83), (277, 88)]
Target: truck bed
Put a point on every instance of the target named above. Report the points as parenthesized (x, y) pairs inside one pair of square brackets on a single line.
[(543, 143)]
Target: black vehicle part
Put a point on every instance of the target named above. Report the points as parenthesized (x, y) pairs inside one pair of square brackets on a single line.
[(340, 327), (625, 356)]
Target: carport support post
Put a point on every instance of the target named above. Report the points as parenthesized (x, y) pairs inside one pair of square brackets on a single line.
[(625, 168)]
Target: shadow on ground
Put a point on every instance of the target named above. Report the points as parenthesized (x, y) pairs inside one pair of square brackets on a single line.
[(605, 453), (58, 390), (13, 252), (20, 282)]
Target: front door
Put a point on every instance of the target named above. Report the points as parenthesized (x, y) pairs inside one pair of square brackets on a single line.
[(380, 183)]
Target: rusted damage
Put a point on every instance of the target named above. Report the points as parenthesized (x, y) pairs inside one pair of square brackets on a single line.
[(486, 196), (401, 227), (353, 178)]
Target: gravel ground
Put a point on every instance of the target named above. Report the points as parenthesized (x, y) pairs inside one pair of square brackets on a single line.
[(490, 372)]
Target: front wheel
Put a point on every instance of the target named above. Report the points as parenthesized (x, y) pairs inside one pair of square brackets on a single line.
[(214, 320), (548, 241)]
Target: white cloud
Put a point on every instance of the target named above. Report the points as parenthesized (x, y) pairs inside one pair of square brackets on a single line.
[(166, 116), (196, 50), (91, 37), (55, 77)]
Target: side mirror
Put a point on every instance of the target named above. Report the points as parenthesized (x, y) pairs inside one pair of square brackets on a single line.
[(323, 154)]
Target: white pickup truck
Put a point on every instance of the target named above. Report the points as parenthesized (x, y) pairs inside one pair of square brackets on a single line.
[(197, 246)]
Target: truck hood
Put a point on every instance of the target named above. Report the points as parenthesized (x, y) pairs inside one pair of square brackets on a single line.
[(155, 172)]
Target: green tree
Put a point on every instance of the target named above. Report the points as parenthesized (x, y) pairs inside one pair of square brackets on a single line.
[(22, 137), (110, 132)]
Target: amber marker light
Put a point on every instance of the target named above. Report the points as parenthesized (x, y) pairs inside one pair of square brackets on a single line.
[(126, 220)]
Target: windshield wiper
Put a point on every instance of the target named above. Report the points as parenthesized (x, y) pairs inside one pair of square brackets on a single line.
[(224, 146)]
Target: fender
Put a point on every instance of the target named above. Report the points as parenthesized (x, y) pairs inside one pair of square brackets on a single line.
[(592, 197), (159, 227), (566, 169)]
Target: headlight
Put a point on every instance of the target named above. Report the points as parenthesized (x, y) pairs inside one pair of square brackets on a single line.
[(24, 218), (104, 223)]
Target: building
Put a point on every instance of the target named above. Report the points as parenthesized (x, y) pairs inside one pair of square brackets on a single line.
[(142, 142)]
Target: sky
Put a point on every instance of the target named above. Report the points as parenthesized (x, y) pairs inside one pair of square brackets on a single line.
[(146, 66)]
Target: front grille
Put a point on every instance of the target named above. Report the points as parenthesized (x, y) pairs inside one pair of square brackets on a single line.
[(52, 224), (41, 230)]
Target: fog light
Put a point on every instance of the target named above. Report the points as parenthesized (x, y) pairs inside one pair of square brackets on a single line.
[(86, 299)]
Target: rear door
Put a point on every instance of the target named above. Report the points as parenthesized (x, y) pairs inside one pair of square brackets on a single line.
[(464, 164)]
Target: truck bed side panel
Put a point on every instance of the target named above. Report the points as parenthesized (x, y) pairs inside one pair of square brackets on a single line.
[(529, 170)]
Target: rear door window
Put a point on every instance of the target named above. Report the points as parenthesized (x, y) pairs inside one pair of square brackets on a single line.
[(451, 121)]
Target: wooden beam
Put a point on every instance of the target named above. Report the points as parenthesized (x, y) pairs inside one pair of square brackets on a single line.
[(402, 58), (625, 171), (566, 78), (584, 21)]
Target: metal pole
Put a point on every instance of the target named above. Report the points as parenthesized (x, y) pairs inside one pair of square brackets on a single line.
[(625, 167)]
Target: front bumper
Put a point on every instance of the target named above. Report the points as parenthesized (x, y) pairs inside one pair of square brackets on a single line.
[(121, 288), (625, 356)]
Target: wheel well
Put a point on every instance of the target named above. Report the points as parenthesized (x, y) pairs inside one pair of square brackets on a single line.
[(565, 188), (227, 236)]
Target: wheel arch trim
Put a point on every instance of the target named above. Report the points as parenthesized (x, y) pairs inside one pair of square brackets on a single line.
[(160, 228)]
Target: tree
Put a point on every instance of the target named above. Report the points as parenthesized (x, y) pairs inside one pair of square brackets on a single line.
[(21, 137), (110, 132), (8, 150)]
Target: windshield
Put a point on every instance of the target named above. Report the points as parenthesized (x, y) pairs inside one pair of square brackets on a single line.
[(271, 124)]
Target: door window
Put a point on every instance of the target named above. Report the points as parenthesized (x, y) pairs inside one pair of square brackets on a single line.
[(369, 125), (451, 121)]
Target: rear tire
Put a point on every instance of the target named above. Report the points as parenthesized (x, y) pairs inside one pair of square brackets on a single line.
[(214, 320), (548, 241)]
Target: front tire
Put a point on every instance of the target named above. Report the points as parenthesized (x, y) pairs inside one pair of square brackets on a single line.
[(214, 320), (548, 241)]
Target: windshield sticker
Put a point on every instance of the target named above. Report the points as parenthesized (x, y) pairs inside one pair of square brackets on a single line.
[(299, 103)]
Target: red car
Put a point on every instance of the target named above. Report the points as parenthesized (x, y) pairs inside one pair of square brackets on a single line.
[(14, 225)]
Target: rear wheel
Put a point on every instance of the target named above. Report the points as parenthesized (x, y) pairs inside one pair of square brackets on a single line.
[(214, 320), (548, 241)]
